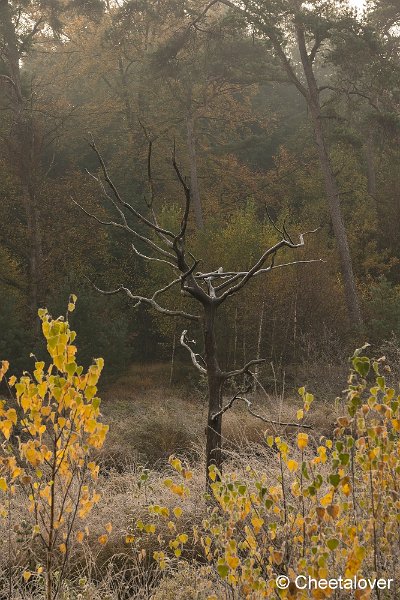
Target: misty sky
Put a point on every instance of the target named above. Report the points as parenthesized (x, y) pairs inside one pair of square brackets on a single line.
[(358, 3)]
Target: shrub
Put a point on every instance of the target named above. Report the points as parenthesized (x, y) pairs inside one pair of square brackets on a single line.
[(321, 508), (49, 429)]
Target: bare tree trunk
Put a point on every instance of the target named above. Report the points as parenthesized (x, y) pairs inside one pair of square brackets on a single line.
[(260, 328), (124, 93), (22, 156), (235, 343), (194, 180), (339, 229), (171, 375), (215, 381), (331, 186), (35, 257)]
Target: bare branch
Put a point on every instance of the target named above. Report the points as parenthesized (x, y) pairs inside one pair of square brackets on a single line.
[(126, 205), (249, 274), (166, 288), (258, 266), (188, 197), (152, 258), (193, 355), (315, 48), (244, 370), (126, 227), (248, 404), (203, 13), (150, 301), (30, 36)]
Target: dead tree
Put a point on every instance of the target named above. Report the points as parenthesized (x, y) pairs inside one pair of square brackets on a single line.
[(208, 290)]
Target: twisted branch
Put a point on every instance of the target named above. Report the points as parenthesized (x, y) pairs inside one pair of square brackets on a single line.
[(193, 355)]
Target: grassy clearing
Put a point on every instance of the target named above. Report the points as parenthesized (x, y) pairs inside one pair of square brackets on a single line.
[(150, 420)]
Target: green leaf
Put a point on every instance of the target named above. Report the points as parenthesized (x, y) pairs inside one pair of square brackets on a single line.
[(304, 470), (332, 544), (381, 382), (361, 365), (71, 368), (334, 479), (223, 571), (318, 481)]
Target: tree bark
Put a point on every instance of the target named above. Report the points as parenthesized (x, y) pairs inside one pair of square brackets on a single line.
[(215, 382), (331, 187), (194, 180), (22, 157), (259, 341)]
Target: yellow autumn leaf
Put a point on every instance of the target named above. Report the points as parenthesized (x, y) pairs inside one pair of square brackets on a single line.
[(80, 536), (346, 489), (103, 539), (302, 441), (6, 427), (233, 562), (327, 499), (177, 512), (257, 523), (27, 575), (3, 484), (4, 366), (292, 465), (109, 527)]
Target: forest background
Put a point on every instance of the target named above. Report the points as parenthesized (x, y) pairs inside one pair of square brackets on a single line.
[(252, 149), (142, 78)]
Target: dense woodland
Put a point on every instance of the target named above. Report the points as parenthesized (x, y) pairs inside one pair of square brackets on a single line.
[(227, 89), (209, 196)]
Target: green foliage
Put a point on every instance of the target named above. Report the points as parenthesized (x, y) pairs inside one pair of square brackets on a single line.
[(384, 310), (139, 70)]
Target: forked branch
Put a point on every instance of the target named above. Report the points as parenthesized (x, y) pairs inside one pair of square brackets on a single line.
[(244, 370), (240, 398), (150, 301)]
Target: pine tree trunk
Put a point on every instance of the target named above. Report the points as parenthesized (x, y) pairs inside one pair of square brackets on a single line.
[(331, 187), (194, 180), (259, 341), (22, 157), (339, 229)]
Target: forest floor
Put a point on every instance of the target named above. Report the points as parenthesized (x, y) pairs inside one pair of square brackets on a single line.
[(150, 419)]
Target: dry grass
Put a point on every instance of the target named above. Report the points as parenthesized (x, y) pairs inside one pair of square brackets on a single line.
[(147, 424)]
